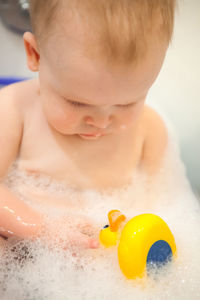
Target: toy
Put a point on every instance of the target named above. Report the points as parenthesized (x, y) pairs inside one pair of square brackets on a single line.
[(145, 240)]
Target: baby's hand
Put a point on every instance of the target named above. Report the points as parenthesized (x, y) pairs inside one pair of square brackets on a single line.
[(81, 240), (71, 231)]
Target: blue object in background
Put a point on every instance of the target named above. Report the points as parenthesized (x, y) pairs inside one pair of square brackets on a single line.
[(9, 80)]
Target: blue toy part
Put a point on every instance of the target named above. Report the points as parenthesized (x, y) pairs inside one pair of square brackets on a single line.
[(159, 254)]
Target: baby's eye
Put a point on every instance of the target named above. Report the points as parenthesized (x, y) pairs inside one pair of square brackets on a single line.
[(74, 103), (126, 105)]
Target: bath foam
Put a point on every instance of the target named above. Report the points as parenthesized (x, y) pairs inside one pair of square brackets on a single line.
[(36, 271)]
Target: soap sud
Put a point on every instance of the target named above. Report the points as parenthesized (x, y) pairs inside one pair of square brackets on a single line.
[(36, 270)]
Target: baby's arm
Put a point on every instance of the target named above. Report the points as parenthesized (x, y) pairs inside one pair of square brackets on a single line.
[(17, 218)]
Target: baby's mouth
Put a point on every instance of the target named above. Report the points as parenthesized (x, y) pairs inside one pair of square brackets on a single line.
[(91, 136)]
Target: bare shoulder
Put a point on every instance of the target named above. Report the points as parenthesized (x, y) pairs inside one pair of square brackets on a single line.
[(155, 142), (18, 95)]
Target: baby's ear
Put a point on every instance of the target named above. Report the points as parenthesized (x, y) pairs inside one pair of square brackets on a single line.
[(32, 52)]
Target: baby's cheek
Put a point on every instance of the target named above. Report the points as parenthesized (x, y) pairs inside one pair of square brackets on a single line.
[(65, 120), (127, 120), (62, 120), (131, 115)]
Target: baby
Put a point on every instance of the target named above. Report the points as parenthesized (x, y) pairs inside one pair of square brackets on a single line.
[(84, 120)]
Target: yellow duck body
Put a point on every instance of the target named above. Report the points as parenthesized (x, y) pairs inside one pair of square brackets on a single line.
[(144, 240)]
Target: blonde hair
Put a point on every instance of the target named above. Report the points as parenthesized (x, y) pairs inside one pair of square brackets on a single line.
[(122, 28)]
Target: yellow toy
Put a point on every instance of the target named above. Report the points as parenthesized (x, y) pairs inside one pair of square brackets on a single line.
[(145, 240)]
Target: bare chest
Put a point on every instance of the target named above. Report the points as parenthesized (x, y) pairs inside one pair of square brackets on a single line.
[(107, 162)]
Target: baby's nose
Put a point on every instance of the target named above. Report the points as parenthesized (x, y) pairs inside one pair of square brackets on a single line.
[(100, 121)]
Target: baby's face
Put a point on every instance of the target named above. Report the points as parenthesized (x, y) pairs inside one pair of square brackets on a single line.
[(82, 97)]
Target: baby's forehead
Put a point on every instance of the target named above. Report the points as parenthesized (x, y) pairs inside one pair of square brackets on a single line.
[(96, 39), (68, 62)]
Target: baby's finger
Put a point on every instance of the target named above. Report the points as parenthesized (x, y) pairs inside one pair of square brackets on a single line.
[(82, 240), (94, 244)]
